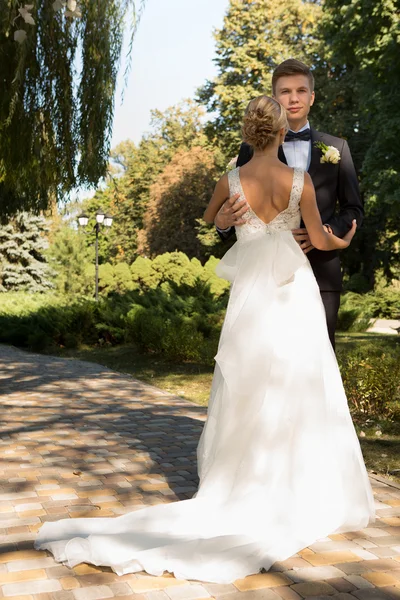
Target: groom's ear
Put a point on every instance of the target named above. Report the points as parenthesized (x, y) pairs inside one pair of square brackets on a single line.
[(312, 98)]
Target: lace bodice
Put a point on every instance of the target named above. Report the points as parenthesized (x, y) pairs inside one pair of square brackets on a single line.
[(286, 220)]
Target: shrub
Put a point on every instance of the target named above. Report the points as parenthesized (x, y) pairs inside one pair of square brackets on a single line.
[(170, 306), (357, 310), (372, 381)]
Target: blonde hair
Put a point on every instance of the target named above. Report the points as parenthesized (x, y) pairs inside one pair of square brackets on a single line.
[(263, 118)]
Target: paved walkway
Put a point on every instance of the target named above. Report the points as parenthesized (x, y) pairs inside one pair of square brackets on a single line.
[(78, 439)]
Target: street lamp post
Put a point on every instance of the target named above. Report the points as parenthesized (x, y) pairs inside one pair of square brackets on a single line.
[(101, 219)]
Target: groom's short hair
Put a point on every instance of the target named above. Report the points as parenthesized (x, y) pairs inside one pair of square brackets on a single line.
[(292, 67)]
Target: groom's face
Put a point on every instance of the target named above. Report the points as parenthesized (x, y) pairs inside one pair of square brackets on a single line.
[(294, 93)]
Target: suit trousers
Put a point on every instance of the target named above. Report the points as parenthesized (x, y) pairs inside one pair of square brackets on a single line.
[(331, 301)]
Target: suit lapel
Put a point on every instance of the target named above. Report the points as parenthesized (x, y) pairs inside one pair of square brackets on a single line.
[(315, 152), (281, 155)]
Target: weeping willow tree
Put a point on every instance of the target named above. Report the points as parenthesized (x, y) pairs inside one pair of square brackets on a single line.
[(58, 68)]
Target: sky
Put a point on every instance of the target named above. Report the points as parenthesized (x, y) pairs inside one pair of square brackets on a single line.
[(172, 56)]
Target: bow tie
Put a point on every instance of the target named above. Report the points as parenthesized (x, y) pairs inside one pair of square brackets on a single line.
[(303, 136)]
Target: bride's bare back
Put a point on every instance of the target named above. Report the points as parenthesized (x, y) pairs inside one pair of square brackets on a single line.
[(266, 188)]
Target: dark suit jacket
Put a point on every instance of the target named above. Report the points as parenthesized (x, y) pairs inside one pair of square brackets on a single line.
[(333, 184)]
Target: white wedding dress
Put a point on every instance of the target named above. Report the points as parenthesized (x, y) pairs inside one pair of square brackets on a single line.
[(279, 461)]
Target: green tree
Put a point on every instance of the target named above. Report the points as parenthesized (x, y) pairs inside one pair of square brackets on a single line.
[(358, 78), (255, 37), (23, 265), (178, 199), (126, 195), (58, 69), (72, 260)]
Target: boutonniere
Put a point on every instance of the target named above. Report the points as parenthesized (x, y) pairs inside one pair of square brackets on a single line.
[(330, 154)]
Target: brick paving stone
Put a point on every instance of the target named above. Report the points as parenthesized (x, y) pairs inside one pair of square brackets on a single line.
[(96, 592), (341, 584), (382, 564), (292, 563), (372, 532), (27, 565), (149, 583), (64, 595), (313, 588), (132, 596), (353, 568), (98, 578), (187, 592), (331, 558), (359, 582), (391, 540), (372, 594), (364, 543), (31, 587), (69, 583), (341, 596), (379, 579), (22, 576), (286, 593), (120, 589), (219, 589), (265, 594), (365, 554), (387, 551), (333, 546), (314, 574), (264, 580), (157, 596), (393, 592)]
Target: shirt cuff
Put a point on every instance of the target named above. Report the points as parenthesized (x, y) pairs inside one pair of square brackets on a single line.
[(223, 230)]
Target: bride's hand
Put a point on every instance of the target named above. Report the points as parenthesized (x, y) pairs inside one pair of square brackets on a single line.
[(350, 234)]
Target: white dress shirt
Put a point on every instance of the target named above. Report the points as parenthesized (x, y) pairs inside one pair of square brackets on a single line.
[(298, 153)]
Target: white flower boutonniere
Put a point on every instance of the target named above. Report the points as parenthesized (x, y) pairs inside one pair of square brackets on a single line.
[(330, 154)]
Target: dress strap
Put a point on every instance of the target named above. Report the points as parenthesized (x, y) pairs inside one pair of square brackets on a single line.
[(234, 184), (297, 187)]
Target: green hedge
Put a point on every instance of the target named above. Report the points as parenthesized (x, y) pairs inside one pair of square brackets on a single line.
[(371, 378), (357, 310), (174, 307)]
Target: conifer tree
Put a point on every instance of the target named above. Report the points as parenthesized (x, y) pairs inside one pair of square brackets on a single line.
[(23, 265)]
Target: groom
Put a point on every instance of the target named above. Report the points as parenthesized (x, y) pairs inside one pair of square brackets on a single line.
[(293, 87)]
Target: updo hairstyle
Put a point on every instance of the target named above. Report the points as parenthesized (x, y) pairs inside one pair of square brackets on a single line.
[(263, 118)]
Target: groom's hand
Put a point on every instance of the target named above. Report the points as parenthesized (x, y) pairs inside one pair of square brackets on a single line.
[(230, 213), (303, 239)]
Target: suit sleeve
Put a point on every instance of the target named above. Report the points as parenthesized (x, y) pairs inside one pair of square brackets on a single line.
[(225, 235), (348, 193), (245, 154)]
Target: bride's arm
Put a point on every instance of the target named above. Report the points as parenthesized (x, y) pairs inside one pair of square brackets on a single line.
[(220, 195), (312, 219)]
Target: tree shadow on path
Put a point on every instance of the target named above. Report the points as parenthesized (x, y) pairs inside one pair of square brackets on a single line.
[(85, 427)]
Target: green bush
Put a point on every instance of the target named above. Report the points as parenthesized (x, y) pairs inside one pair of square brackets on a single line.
[(175, 308), (371, 379), (357, 310)]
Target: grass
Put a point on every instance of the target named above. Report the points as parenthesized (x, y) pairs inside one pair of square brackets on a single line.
[(189, 380), (192, 382)]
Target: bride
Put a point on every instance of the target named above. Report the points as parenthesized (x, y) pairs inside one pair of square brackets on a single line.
[(279, 461)]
